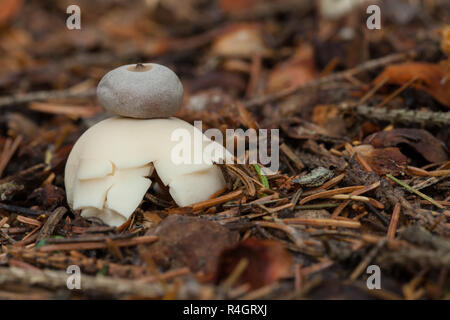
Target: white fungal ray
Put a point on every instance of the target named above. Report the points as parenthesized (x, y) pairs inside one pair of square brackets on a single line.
[(107, 170)]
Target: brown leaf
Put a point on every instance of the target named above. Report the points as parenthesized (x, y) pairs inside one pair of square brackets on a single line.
[(296, 71), (420, 140), (268, 261), (430, 78), (188, 241), (242, 40), (383, 160)]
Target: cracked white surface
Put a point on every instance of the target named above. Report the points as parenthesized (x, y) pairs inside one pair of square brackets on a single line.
[(107, 170)]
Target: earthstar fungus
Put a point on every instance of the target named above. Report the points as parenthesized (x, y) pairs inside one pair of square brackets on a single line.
[(107, 172)]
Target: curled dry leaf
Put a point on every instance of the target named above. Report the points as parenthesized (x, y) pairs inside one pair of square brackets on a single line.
[(420, 140), (296, 71), (242, 40), (186, 241), (383, 160), (431, 78), (268, 261)]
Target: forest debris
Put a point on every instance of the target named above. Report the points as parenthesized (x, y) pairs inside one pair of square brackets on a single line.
[(268, 261), (425, 173), (23, 181), (48, 197), (97, 245), (215, 201), (324, 194), (243, 40), (395, 93), (383, 160), (315, 178), (292, 156), (394, 222), (243, 177), (422, 237), (235, 274), (411, 189), (87, 265), (402, 115), (415, 258), (45, 95), (69, 110), (296, 71), (23, 211), (428, 182), (367, 259), (29, 221), (5, 236), (9, 149), (372, 91), (324, 222), (368, 188), (106, 287), (422, 141), (166, 275), (188, 241), (330, 117), (327, 185), (290, 231), (430, 78), (366, 66), (49, 225)]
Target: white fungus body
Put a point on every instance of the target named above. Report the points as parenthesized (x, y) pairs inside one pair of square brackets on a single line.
[(107, 171)]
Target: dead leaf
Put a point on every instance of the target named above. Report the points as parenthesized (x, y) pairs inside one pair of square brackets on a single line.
[(186, 241), (296, 71), (430, 78), (242, 40), (383, 160), (420, 140), (268, 261)]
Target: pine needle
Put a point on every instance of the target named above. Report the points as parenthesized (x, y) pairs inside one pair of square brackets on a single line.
[(411, 189)]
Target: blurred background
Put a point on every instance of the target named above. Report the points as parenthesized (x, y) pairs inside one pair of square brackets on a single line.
[(210, 43)]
